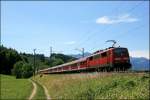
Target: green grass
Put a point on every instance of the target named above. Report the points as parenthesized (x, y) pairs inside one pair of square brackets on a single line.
[(97, 86), (12, 88), (40, 94)]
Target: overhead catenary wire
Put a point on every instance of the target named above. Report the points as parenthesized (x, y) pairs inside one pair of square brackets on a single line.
[(83, 40), (92, 34), (34, 62), (131, 10), (121, 35), (105, 29)]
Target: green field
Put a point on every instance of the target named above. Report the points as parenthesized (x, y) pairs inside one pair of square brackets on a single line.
[(12, 88), (97, 86)]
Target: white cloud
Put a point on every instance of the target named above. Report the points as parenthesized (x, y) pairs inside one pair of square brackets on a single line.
[(126, 18), (70, 42), (139, 53)]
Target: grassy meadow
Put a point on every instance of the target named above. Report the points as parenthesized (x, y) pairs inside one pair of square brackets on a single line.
[(12, 88), (96, 85)]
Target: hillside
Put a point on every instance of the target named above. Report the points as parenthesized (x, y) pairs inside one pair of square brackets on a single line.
[(140, 63), (96, 86)]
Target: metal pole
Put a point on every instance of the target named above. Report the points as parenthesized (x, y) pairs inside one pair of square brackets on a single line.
[(82, 52), (34, 62), (50, 55), (0, 30)]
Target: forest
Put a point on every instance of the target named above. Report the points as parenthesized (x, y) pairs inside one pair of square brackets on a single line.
[(23, 65)]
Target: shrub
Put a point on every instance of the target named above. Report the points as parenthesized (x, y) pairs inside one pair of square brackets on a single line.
[(27, 70), (17, 70), (22, 70)]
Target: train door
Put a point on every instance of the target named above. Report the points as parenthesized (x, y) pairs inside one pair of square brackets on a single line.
[(78, 65), (89, 61), (108, 57), (104, 58)]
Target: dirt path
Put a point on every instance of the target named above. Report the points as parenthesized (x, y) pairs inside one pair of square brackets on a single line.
[(34, 90), (46, 93)]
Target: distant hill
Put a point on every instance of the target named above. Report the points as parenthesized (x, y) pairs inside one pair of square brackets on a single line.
[(140, 63), (80, 55)]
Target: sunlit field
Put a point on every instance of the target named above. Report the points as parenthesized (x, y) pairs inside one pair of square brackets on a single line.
[(96, 85), (12, 88)]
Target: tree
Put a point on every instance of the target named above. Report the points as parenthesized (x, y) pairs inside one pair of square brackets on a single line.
[(17, 70), (57, 62), (22, 70), (27, 70), (8, 57)]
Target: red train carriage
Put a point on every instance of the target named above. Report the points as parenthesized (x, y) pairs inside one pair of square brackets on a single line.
[(110, 59)]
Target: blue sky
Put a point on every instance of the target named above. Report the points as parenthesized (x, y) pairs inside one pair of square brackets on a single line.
[(68, 25)]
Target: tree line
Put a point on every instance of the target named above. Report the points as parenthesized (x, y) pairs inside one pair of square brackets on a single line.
[(22, 64)]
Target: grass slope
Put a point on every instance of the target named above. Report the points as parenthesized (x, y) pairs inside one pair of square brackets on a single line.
[(97, 86), (12, 88)]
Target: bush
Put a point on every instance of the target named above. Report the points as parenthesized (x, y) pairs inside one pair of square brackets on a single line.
[(22, 70), (17, 70), (27, 70)]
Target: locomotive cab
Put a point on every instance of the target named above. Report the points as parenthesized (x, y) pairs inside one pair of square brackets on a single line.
[(121, 58)]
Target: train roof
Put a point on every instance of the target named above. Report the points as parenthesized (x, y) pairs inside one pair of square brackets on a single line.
[(72, 62), (65, 64)]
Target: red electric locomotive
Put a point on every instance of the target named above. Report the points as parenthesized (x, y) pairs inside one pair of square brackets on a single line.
[(110, 59)]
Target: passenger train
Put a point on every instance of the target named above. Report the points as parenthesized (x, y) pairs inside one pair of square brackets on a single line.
[(109, 59)]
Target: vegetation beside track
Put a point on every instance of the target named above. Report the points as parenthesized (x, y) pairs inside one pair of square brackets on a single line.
[(12, 88), (96, 85)]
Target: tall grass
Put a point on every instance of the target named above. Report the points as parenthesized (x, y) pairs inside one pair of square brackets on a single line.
[(97, 86)]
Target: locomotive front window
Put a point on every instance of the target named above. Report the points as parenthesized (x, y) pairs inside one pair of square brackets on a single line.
[(120, 52)]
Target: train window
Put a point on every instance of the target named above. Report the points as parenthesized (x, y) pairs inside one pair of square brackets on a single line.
[(91, 58), (73, 65), (96, 56), (104, 54), (81, 63)]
